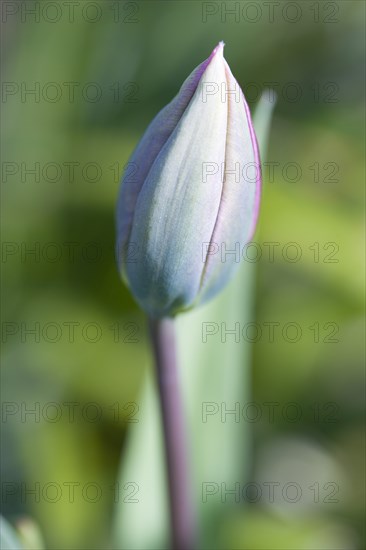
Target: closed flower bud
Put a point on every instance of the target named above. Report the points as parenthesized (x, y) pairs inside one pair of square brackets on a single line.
[(190, 194)]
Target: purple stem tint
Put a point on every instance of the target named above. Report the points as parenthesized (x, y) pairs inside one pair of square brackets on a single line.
[(182, 518)]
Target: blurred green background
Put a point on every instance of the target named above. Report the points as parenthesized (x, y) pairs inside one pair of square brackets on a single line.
[(99, 72)]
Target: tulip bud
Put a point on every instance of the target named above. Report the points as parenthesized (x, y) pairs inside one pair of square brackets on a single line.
[(190, 194)]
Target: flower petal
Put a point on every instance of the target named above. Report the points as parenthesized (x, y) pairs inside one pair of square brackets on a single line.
[(142, 159), (176, 210), (239, 205)]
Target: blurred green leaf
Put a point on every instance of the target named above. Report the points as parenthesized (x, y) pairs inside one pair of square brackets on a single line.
[(8, 537)]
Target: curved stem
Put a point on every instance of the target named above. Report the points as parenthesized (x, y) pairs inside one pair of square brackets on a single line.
[(182, 521)]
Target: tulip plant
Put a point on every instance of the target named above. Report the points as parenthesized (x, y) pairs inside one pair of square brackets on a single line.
[(195, 185)]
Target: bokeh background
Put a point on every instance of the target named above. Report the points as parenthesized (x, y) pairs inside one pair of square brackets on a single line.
[(99, 72)]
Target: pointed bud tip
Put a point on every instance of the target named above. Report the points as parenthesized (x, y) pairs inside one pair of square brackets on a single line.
[(218, 50)]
